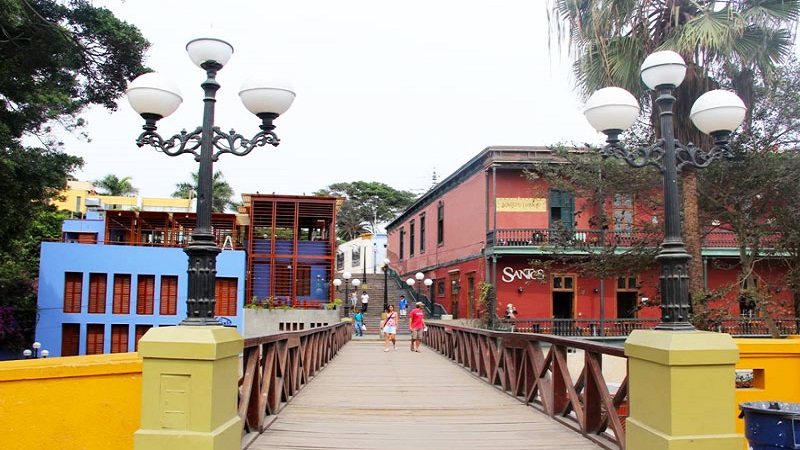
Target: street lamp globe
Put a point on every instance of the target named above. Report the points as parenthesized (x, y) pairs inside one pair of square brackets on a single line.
[(347, 275), (209, 50), (154, 94), (665, 68), (262, 94), (717, 111), (410, 282), (337, 282), (386, 261), (611, 108), (45, 353), (428, 282), (419, 276), (356, 282), (27, 353)]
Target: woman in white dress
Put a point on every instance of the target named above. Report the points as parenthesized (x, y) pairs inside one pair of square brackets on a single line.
[(390, 328)]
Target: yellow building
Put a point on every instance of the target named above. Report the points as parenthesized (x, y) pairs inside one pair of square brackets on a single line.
[(80, 194)]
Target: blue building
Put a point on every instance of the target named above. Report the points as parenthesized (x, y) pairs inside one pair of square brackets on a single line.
[(115, 274)]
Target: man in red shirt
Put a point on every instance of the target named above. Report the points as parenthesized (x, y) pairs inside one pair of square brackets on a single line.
[(416, 323)]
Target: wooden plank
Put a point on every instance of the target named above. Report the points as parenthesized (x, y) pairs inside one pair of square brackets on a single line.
[(371, 399)]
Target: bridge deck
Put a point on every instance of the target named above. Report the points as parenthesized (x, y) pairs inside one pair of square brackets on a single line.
[(371, 399)]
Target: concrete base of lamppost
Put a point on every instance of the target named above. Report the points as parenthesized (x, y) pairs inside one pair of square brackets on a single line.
[(190, 389), (681, 391)]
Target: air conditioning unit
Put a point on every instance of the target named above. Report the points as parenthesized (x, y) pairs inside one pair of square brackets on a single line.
[(93, 203)]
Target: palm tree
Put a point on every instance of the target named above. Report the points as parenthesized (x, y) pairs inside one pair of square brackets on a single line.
[(111, 185), (723, 43), (349, 223), (221, 192)]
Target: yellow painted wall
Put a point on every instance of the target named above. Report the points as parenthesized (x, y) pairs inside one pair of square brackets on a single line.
[(79, 402), (86, 190), (74, 190), (776, 370), (119, 201), (185, 203)]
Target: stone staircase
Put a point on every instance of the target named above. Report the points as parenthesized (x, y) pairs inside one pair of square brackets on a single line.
[(373, 316)]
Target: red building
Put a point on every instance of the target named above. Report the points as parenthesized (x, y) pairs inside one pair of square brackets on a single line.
[(487, 221)]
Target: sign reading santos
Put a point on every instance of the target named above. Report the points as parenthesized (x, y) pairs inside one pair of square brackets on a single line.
[(510, 274)]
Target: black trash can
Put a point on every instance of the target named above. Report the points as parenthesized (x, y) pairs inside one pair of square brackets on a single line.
[(771, 425)]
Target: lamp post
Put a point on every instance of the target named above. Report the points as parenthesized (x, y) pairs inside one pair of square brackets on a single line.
[(356, 283), (155, 97), (34, 354), (386, 285), (364, 265), (426, 281), (612, 110), (346, 276)]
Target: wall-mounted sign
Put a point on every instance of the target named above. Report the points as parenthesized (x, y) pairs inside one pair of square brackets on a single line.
[(518, 204), (510, 274)]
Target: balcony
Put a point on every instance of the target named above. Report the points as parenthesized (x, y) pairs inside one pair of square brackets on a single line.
[(587, 239)]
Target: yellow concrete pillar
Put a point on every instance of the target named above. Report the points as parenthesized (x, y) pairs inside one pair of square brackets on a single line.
[(682, 391), (190, 379)]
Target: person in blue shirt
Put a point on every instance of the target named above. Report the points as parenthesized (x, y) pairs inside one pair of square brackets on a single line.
[(402, 304), (359, 319)]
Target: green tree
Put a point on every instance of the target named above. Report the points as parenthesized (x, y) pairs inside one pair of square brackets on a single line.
[(221, 192), (19, 269), (56, 59), (599, 182), (731, 41), (366, 206), (755, 194), (112, 185)]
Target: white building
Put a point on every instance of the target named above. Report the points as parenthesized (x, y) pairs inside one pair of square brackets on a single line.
[(363, 255)]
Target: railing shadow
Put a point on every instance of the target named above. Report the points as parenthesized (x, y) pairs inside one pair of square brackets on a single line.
[(533, 368), (277, 366)]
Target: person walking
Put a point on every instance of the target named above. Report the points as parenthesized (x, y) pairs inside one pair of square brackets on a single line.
[(364, 301), (402, 304), (416, 323), (390, 328), (359, 320), (353, 300)]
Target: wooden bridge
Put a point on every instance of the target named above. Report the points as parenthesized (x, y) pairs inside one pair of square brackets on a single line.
[(365, 398)]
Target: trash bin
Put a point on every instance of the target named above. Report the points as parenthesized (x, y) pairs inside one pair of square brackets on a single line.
[(771, 425)]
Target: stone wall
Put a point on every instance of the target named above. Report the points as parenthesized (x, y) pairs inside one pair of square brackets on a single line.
[(258, 322)]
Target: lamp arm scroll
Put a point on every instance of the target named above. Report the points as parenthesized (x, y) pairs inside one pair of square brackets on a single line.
[(238, 145), (698, 158), (638, 157), (177, 144)]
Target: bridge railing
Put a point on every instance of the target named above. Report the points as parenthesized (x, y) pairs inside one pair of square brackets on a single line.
[(534, 369), (275, 367), (612, 327)]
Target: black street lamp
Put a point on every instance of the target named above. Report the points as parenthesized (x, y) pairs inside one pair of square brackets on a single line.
[(155, 97), (612, 110), (364, 273), (420, 277), (346, 276), (34, 354)]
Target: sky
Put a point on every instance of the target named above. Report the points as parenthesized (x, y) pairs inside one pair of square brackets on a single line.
[(386, 91)]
